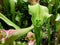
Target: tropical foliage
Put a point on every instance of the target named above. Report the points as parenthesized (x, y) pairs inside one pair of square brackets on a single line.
[(41, 20)]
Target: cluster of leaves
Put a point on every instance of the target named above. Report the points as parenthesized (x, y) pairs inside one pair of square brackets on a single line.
[(53, 6), (17, 12), (15, 15)]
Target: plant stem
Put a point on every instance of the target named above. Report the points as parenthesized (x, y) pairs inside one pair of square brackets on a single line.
[(55, 14), (48, 30), (38, 34)]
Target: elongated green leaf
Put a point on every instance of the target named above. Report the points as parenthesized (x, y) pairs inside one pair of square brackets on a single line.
[(8, 21), (6, 5), (12, 6)]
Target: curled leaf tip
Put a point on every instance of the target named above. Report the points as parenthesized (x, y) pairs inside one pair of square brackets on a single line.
[(58, 17)]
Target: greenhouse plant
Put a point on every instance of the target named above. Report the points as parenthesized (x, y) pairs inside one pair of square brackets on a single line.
[(29, 22)]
